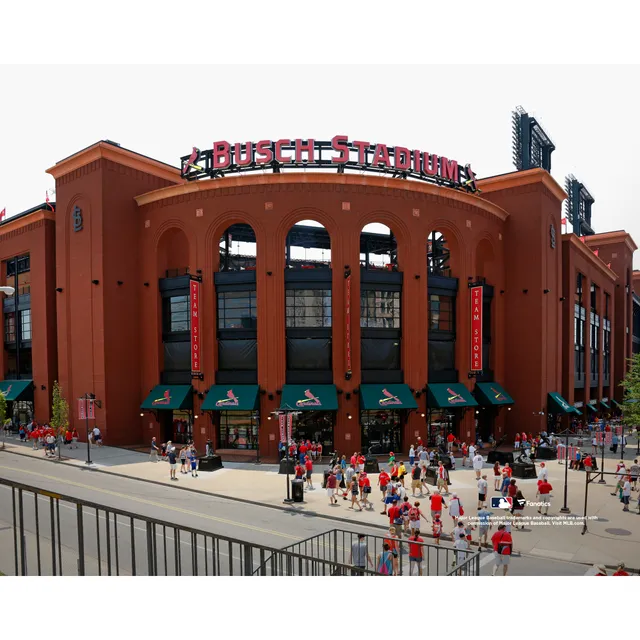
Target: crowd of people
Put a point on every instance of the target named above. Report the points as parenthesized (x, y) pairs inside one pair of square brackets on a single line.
[(166, 451)]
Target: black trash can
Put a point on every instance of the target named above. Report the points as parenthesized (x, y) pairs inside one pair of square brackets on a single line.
[(371, 465), (209, 463), (297, 490), (431, 475), (546, 453)]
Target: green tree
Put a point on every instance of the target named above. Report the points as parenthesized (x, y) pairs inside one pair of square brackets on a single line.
[(631, 385), (3, 415), (59, 415)]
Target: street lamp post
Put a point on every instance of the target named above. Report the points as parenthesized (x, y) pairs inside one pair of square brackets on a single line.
[(87, 396), (565, 508), (9, 291)]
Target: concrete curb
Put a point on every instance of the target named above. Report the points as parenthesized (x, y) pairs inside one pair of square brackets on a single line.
[(269, 506)]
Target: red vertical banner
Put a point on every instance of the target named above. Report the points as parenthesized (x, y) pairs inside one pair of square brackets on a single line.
[(282, 420), (194, 305), (476, 328), (81, 409), (289, 425), (348, 322)]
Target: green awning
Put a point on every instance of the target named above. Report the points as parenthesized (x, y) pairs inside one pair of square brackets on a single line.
[(616, 403), (386, 396), (576, 410), (169, 397), (238, 397), (491, 393), (13, 390), (557, 404), (449, 396), (309, 397), (592, 408), (605, 405)]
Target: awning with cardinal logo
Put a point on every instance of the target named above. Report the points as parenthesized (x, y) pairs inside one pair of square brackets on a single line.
[(375, 397), (309, 397), (169, 397), (491, 393), (13, 390), (449, 396), (235, 397)]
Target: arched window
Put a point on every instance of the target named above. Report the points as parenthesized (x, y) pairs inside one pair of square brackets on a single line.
[(378, 248), (308, 246), (238, 248)]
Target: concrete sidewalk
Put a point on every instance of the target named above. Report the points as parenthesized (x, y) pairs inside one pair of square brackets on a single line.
[(612, 536)]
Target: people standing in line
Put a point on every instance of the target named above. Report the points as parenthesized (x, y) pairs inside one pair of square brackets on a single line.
[(153, 454), (502, 545), (412, 456), (483, 487), (172, 463), (478, 462), (455, 508), (634, 472), (626, 493), (544, 490), (416, 551), (359, 556), (484, 525), (332, 483), (497, 476), (354, 493), (308, 465)]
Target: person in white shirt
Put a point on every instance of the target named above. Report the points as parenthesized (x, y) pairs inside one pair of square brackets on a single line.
[(472, 451), (478, 461), (594, 446), (543, 474), (626, 493), (97, 436), (461, 546), (412, 455), (483, 487)]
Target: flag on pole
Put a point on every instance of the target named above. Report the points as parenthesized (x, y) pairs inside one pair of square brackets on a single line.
[(2, 213), (47, 201)]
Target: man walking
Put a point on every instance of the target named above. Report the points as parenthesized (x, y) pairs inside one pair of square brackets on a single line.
[(442, 479), (173, 464), (478, 462), (332, 483), (308, 465), (472, 451), (359, 556), (153, 455), (626, 493), (483, 487), (544, 489), (484, 524), (415, 479), (502, 544), (634, 472), (97, 436), (416, 551)]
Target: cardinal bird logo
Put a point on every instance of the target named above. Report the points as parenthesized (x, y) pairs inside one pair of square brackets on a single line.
[(7, 392), (230, 401), (166, 399), (454, 398), (310, 401), (499, 396), (191, 162), (470, 182), (389, 399)]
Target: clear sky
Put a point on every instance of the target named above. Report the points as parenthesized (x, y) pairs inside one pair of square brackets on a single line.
[(464, 113)]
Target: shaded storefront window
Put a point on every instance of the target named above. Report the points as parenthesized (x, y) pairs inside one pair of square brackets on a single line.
[(381, 431), (238, 430)]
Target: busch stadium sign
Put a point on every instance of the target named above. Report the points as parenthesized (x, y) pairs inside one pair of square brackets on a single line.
[(339, 153)]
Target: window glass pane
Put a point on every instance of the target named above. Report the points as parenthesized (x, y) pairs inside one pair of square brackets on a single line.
[(238, 430), (237, 310), (380, 309), (308, 308)]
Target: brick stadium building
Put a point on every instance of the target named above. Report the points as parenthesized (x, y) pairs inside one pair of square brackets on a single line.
[(273, 263)]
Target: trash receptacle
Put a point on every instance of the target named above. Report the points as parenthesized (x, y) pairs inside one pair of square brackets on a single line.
[(297, 490), (371, 465), (430, 475)]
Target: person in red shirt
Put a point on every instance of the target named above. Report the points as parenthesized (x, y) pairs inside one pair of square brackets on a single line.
[(588, 463), (383, 481), (450, 439), (437, 502), (332, 483), (502, 544), (394, 514), (508, 469), (544, 489), (302, 450), (512, 490), (465, 453), (394, 471), (314, 450), (365, 490), (415, 553), (308, 465), (620, 570), (524, 437), (361, 461), (354, 459), (299, 470), (319, 451)]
